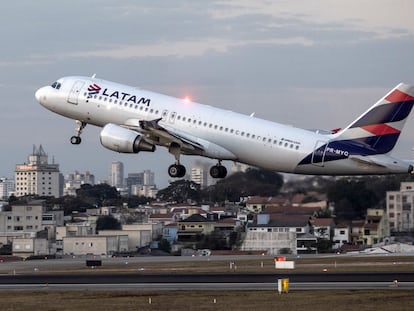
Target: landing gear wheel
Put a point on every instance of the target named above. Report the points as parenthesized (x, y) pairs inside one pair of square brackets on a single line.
[(218, 171), (176, 170), (75, 140)]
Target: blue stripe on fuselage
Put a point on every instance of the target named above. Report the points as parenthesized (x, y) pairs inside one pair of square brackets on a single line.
[(342, 149)]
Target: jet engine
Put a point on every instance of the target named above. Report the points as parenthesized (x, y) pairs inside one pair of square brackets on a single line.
[(117, 138)]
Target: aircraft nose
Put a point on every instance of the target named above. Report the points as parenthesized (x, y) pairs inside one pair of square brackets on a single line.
[(40, 95)]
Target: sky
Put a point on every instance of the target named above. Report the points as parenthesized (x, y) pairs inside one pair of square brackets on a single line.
[(307, 63)]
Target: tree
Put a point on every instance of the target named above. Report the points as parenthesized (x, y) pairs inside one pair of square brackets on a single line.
[(252, 182), (98, 195), (180, 191), (352, 197), (107, 223)]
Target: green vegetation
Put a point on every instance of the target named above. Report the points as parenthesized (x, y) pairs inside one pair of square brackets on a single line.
[(107, 222), (253, 182)]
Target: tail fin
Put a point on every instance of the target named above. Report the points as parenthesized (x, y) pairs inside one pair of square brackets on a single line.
[(379, 128)]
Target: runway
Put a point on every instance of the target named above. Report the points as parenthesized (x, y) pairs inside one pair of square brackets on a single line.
[(212, 281)]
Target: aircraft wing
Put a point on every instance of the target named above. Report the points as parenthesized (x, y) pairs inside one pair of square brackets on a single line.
[(159, 135)]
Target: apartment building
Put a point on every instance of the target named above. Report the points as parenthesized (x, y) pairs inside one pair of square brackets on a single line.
[(400, 208)]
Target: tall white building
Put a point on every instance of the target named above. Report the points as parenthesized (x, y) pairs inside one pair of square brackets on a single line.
[(400, 208), (6, 188), (38, 176), (199, 174), (117, 174), (149, 178)]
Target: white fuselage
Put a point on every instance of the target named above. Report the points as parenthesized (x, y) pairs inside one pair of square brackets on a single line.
[(225, 135)]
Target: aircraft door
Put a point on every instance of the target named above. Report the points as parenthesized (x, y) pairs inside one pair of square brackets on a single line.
[(318, 155), (74, 92), (164, 115), (173, 114)]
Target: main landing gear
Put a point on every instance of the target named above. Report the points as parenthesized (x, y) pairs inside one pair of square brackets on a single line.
[(218, 171), (76, 140), (177, 170)]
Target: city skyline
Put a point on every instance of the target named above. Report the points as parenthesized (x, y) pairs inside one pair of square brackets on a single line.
[(316, 64)]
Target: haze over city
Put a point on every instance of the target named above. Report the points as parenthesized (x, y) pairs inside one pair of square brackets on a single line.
[(312, 64)]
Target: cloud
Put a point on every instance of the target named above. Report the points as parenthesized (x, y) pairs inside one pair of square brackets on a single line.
[(183, 48), (384, 18)]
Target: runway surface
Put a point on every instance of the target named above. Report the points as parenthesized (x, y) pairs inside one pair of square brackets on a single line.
[(211, 281)]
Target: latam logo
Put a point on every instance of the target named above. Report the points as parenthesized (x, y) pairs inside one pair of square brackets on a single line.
[(95, 89)]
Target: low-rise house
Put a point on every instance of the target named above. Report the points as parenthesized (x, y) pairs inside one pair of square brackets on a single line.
[(193, 226), (357, 232), (341, 235), (323, 228), (163, 219), (257, 204), (95, 245), (276, 234), (170, 232), (140, 235), (26, 247), (376, 227)]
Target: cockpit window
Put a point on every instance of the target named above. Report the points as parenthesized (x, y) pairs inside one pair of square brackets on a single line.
[(56, 85)]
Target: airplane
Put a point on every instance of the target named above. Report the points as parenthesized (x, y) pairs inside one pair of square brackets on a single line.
[(135, 120)]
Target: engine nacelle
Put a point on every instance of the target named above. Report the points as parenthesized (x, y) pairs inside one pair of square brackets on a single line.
[(119, 139)]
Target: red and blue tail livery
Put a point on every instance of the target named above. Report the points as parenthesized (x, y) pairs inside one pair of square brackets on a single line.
[(134, 120)]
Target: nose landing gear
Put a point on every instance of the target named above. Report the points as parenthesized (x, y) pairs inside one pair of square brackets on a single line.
[(76, 140)]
